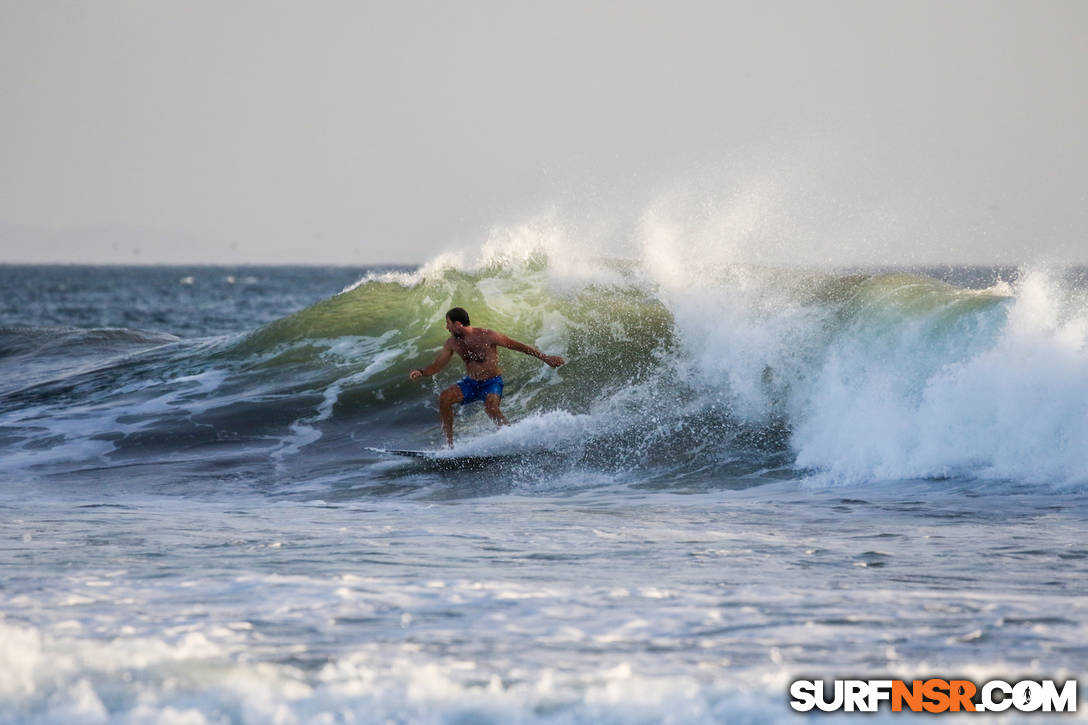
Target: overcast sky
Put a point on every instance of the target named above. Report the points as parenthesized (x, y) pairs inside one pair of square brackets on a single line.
[(370, 132)]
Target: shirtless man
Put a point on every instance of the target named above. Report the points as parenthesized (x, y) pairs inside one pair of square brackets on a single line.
[(478, 348)]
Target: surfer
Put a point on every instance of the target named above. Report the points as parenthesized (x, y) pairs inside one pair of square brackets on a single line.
[(478, 347)]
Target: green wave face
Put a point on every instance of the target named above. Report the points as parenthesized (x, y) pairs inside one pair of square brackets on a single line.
[(612, 335)]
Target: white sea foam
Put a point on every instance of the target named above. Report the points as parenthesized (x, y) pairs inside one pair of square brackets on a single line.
[(619, 609), (152, 681), (1014, 407), (538, 432)]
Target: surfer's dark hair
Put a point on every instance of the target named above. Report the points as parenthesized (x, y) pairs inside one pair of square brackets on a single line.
[(458, 314)]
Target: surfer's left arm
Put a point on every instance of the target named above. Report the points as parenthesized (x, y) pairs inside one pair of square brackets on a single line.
[(503, 341)]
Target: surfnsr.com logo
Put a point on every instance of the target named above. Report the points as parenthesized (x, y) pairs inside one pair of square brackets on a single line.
[(933, 695)]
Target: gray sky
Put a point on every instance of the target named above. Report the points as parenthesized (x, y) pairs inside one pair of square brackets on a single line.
[(364, 132)]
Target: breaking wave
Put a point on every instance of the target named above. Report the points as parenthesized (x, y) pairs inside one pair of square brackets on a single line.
[(675, 367)]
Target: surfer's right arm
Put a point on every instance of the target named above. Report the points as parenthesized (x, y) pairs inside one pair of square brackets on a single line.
[(439, 363)]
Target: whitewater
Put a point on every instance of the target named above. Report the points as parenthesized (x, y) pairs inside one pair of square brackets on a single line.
[(745, 474)]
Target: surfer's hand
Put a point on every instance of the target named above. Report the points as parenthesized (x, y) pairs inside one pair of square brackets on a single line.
[(415, 375), (554, 360)]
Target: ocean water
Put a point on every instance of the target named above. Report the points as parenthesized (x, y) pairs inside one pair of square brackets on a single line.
[(744, 475)]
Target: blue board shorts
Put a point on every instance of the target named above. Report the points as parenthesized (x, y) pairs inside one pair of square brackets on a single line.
[(474, 390)]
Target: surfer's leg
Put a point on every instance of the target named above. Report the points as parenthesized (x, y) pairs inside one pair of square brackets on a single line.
[(448, 398), (491, 405)]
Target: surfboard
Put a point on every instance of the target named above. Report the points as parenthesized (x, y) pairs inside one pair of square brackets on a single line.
[(443, 459), (407, 454)]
